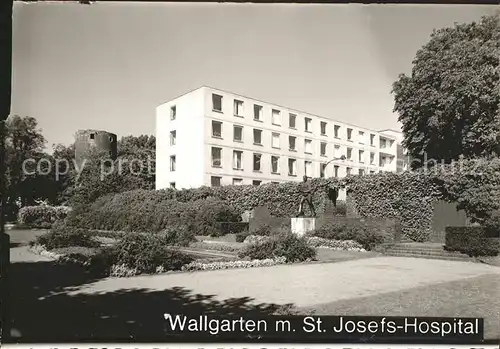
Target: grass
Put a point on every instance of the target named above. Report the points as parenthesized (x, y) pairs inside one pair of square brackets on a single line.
[(473, 297)]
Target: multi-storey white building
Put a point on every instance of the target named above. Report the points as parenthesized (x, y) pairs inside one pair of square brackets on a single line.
[(212, 137)]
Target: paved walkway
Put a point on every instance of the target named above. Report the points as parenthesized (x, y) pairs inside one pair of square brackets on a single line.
[(305, 285)]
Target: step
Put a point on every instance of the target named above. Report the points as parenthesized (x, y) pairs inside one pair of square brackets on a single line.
[(421, 251), (451, 258)]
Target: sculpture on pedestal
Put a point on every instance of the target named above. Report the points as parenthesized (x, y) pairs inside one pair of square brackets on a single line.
[(307, 192)]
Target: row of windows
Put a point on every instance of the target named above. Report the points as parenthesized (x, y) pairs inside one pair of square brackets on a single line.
[(276, 119), (276, 140), (275, 164)]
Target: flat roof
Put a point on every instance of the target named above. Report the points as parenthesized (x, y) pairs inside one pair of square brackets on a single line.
[(280, 106)]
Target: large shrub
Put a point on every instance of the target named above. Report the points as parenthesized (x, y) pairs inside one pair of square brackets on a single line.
[(177, 235), (366, 234), (64, 236), (474, 241), (284, 244), (146, 253), (42, 216)]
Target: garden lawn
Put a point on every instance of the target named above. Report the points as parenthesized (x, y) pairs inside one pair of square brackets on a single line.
[(471, 297)]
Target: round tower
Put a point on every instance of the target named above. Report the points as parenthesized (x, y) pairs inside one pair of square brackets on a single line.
[(94, 139)]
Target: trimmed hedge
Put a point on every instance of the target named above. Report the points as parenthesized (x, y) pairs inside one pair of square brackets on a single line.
[(225, 228), (407, 197), (475, 241), (148, 211), (42, 216)]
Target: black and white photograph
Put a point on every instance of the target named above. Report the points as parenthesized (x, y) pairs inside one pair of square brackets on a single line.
[(181, 172)]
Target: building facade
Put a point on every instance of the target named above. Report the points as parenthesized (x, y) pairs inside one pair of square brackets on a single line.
[(210, 137)]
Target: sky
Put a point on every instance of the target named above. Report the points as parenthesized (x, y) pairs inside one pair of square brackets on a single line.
[(108, 65)]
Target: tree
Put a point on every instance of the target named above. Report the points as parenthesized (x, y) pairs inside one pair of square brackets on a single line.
[(24, 144), (449, 106)]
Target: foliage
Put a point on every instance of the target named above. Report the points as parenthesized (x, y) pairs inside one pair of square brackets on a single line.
[(42, 216), (262, 230), (473, 240), (147, 252), (63, 236), (194, 266), (449, 106), (287, 245), (178, 235), (256, 239), (24, 183), (366, 233), (240, 237)]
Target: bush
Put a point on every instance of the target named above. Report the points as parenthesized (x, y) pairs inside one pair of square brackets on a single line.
[(64, 236), (262, 230), (178, 235), (344, 245), (474, 241), (210, 211), (42, 216), (240, 237), (362, 232), (146, 253), (287, 245), (225, 228)]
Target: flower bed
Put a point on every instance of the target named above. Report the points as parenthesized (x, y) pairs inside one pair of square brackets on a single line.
[(195, 266), (344, 245)]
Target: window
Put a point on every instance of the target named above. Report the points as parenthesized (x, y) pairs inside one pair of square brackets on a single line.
[(276, 117), (372, 172), (238, 133), (349, 154), (322, 149), (216, 129), (237, 160), (372, 139), (382, 143), (291, 120), (336, 151), (323, 128), (92, 136), (172, 163), (361, 157), (307, 124), (361, 137), (275, 164), (173, 112), (216, 157), (308, 146), (382, 161), (257, 112), (275, 141), (257, 136), (292, 167), (361, 172), (322, 168), (336, 170), (215, 181), (308, 168), (238, 108), (275, 182), (173, 136), (348, 171), (292, 143), (372, 158), (216, 103), (237, 181), (349, 134), (336, 130), (172, 185), (256, 183), (256, 162)]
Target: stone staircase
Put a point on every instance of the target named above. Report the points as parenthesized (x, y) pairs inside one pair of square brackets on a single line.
[(424, 250)]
